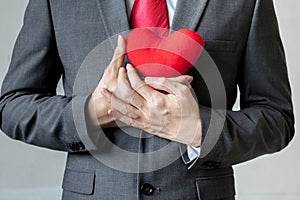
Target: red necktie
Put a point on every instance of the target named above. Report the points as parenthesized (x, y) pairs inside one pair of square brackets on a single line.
[(149, 13)]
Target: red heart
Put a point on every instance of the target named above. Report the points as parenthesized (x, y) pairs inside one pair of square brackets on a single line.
[(155, 53)]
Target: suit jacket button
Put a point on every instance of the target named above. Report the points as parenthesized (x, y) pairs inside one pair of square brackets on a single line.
[(147, 189), (211, 164)]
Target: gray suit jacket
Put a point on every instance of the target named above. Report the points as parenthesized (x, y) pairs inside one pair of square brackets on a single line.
[(241, 36)]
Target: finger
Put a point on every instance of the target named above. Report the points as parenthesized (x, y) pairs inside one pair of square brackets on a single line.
[(124, 118), (119, 53), (125, 108), (124, 90), (165, 84), (138, 85), (129, 95), (106, 94), (137, 101), (184, 79), (121, 117), (121, 106)]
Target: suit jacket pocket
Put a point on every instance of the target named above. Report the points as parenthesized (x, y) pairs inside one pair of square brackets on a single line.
[(79, 182), (215, 188), (220, 45)]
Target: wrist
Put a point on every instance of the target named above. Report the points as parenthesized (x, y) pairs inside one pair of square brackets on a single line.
[(198, 135), (97, 112)]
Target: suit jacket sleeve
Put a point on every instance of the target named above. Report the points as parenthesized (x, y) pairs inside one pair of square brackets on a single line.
[(30, 109), (265, 123)]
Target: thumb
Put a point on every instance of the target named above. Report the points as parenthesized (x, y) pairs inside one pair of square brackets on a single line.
[(169, 85), (183, 79), (119, 53)]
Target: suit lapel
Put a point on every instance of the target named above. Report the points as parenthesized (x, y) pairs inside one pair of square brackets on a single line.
[(113, 15), (115, 20), (188, 13)]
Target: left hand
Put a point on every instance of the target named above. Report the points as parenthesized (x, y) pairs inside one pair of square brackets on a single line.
[(172, 114)]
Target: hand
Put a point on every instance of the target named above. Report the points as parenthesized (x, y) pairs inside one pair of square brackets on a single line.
[(97, 107), (172, 114)]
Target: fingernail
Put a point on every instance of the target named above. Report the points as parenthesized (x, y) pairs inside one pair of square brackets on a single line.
[(119, 40), (110, 112), (128, 66)]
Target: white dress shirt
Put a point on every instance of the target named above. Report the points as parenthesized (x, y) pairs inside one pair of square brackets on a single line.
[(192, 152)]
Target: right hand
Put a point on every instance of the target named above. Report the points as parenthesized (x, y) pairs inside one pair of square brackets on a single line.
[(97, 107)]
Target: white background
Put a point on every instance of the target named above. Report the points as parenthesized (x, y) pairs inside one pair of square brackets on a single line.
[(28, 172)]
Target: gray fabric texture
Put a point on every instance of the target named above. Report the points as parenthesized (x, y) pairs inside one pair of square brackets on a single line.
[(242, 37)]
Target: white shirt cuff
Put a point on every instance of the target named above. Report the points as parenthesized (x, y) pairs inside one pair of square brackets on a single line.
[(193, 154)]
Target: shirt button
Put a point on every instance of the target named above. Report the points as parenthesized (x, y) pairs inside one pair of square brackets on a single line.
[(147, 189)]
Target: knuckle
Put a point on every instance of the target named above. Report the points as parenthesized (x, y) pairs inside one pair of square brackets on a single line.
[(164, 112), (130, 122), (159, 102), (124, 110), (133, 115), (129, 110)]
